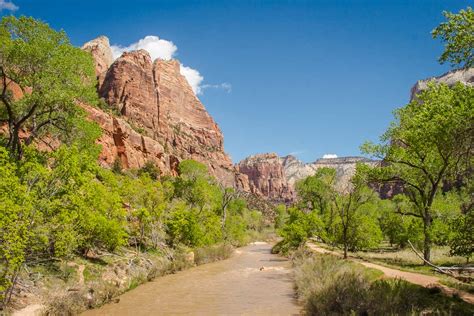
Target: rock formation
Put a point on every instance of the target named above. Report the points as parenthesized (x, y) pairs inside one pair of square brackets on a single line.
[(274, 178), (102, 54), (345, 168), (266, 177), (157, 117), (464, 76)]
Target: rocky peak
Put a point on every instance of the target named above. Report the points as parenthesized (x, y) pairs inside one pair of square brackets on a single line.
[(266, 177), (464, 76), (159, 118), (102, 54)]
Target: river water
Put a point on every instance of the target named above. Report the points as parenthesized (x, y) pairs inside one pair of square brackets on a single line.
[(252, 282)]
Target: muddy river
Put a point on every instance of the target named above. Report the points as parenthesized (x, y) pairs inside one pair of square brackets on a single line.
[(252, 282)]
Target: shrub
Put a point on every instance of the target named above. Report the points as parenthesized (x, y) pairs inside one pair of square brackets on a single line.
[(328, 285)]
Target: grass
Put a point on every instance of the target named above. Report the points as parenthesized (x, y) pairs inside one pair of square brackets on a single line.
[(405, 259), (328, 285)]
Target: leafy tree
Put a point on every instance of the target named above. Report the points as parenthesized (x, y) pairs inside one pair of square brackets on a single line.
[(147, 201), (353, 223), (282, 216), (429, 144), (458, 34), (398, 228), (316, 190), (462, 237), (318, 193), (462, 240), (16, 210), (299, 227), (51, 75)]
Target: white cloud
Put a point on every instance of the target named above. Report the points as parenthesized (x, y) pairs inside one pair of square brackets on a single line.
[(5, 5), (164, 49), (328, 156), (157, 47), (193, 77), (225, 86)]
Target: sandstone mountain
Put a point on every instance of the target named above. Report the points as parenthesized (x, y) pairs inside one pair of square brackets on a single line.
[(150, 113), (275, 177)]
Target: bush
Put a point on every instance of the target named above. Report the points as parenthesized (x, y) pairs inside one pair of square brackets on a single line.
[(328, 285)]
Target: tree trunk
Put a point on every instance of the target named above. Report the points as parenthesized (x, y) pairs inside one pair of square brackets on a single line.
[(344, 237), (427, 234)]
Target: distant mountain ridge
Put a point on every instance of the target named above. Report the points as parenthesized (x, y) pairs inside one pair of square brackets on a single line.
[(274, 177)]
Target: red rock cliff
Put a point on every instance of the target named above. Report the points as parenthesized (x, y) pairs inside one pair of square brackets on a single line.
[(158, 117), (266, 177)]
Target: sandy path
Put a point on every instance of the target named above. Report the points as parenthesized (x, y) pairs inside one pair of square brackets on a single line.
[(412, 277)]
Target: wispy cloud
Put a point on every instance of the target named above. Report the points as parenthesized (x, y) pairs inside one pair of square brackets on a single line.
[(6, 5), (164, 49), (297, 152), (227, 87), (328, 156)]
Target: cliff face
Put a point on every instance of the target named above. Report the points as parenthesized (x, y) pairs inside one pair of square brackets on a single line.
[(158, 117), (345, 167), (266, 177), (274, 178), (464, 76)]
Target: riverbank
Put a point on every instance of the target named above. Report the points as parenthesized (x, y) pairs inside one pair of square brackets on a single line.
[(71, 287), (251, 282)]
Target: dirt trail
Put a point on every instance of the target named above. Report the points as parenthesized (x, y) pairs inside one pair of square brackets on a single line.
[(412, 277)]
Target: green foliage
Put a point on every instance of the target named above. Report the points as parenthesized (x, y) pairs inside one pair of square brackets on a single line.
[(151, 169), (281, 216), (317, 190), (348, 218), (52, 75), (397, 228), (462, 238), (15, 211), (428, 145), (458, 34), (299, 227)]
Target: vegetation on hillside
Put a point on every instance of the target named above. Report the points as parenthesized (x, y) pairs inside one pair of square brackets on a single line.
[(59, 204)]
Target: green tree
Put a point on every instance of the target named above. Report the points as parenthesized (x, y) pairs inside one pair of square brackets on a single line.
[(317, 190), (462, 239), (430, 143), (300, 226), (354, 221), (52, 76), (16, 213), (458, 34)]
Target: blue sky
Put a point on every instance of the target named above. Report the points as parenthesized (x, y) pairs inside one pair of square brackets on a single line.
[(307, 77)]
